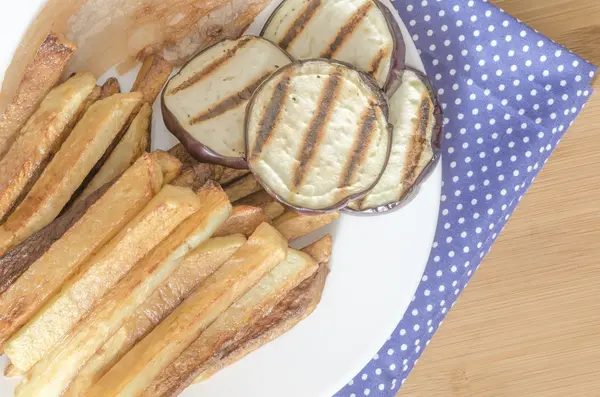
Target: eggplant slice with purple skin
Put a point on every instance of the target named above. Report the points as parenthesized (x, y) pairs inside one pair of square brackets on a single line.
[(204, 104), (317, 135), (417, 118), (363, 33)]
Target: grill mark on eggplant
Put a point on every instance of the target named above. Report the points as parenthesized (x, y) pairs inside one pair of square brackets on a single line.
[(211, 68), (231, 102), (376, 63), (299, 24), (360, 146), (346, 30), (418, 141), (271, 115), (316, 129)]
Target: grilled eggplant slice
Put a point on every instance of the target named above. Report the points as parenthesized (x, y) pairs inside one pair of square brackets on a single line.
[(363, 33), (418, 122), (318, 135), (203, 105)]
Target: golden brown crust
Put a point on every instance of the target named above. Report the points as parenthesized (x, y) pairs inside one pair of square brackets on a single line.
[(242, 188), (152, 77), (295, 307), (264, 200), (110, 87), (102, 221), (243, 220), (294, 225), (40, 76), (71, 165), (41, 138)]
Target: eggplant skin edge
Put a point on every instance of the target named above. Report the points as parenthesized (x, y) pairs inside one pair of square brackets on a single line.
[(427, 170), (197, 149), (398, 60), (382, 102)]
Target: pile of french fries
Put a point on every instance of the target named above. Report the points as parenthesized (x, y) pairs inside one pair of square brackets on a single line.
[(128, 272)]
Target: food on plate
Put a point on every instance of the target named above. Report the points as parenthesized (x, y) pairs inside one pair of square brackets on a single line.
[(253, 305), (293, 308), (152, 77), (363, 33), (204, 105), (417, 119), (318, 135), (171, 206), (40, 138), (41, 75), (263, 251), (72, 164), (52, 374), (242, 188), (197, 173), (294, 225), (134, 143), (264, 200), (110, 87), (11, 371), (102, 221), (194, 269), (18, 259), (244, 219)]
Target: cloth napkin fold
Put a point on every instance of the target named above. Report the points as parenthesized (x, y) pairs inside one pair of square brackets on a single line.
[(509, 94)]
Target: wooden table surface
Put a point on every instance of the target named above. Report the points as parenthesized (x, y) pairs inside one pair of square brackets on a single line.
[(528, 324)]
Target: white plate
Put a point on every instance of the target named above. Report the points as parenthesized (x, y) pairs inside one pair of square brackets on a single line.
[(376, 266)]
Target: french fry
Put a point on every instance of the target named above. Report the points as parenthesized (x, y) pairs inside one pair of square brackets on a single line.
[(264, 200), (91, 99), (41, 138), (194, 269), (17, 260), (198, 173), (171, 206), (78, 155), (253, 305), (295, 307), (264, 250), (110, 87), (152, 77), (244, 220), (51, 375), (102, 221), (242, 188), (133, 144), (41, 75), (294, 225)]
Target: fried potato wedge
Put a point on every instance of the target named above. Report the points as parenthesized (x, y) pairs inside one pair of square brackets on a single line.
[(40, 76), (18, 259), (102, 221), (295, 307), (242, 188), (244, 220), (253, 305), (171, 206), (152, 77), (201, 172), (294, 225), (51, 375), (194, 269), (41, 138), (133, 144), (264, 200), (264, 250), (110, 87), (80, 152)]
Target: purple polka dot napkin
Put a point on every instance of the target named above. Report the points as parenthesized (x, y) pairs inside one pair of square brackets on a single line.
[(508, 94)]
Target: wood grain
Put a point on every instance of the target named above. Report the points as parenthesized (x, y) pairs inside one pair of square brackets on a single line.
[(529, 322)]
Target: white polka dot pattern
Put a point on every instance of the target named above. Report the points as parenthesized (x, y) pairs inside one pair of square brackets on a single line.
[(508, 95)]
